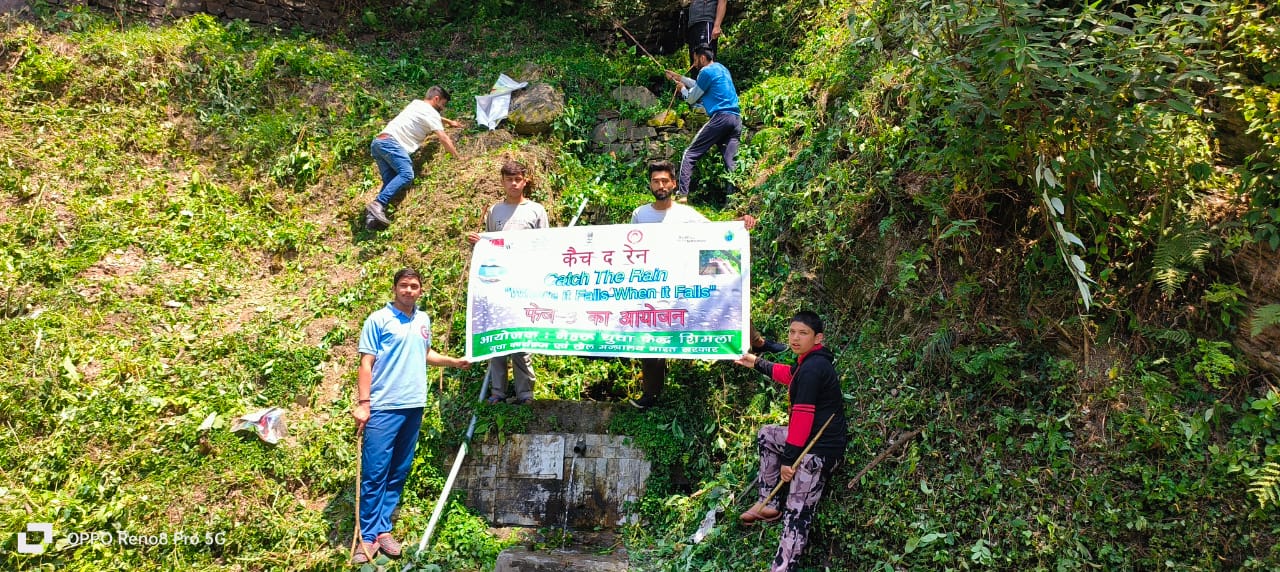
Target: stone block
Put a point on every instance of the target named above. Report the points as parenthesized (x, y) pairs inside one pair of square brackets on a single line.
[(605, 133), (640, 133), (537, 479), (521, 559), (594, 443), (543, 458), (640, 96)]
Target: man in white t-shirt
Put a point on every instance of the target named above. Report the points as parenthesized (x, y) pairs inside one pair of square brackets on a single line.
[(514, 212), (398, 140), (664, 209)]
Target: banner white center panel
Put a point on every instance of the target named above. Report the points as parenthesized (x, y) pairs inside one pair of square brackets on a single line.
[(631, 290)]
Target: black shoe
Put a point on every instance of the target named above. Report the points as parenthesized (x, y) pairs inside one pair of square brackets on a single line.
[(372, 224), (770, 347), (376, 216), (645, 402)]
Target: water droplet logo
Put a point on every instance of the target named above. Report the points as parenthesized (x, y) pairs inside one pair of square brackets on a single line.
[(490, 271)]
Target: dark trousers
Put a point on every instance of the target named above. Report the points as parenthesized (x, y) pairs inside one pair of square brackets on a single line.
[(723, 129), (653, 375), (390, 438), (697, 34)]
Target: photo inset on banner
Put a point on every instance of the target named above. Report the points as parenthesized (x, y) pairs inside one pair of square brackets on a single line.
[(712, 262)]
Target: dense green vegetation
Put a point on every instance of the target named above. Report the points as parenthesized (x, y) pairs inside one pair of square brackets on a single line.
[(1030, 226)]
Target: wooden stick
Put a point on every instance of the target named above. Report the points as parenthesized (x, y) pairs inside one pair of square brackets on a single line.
[(17, 60), (778, 487), (883, 455), (355, 540), (641, 46), (674, 94)]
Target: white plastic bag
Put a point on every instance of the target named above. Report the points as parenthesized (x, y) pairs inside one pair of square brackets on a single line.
[(268, 423), (492, 108)]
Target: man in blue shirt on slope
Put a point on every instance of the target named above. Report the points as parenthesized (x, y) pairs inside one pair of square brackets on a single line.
[(715, 91)]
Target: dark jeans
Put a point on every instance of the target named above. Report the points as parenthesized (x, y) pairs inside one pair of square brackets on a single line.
[(723, 130)]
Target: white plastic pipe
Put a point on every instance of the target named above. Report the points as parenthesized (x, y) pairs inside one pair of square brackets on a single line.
[(453, 473)]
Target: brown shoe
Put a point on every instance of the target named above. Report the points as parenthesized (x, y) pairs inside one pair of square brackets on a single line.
[(364, 553), (759, 513), (389, 545)]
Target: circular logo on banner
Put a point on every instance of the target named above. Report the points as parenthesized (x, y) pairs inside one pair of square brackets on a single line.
[(634, 236)]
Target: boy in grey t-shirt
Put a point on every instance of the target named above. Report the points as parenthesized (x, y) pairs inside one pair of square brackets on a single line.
[(513, 212)]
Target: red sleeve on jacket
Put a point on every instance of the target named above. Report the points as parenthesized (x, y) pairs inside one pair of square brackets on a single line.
[(801, 425), (781, 373)]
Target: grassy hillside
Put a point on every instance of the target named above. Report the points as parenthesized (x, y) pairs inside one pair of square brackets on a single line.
[(181, 226), (181, 238)]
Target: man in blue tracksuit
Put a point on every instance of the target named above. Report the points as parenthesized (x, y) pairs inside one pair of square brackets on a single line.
[(715, 91), (391, 392)]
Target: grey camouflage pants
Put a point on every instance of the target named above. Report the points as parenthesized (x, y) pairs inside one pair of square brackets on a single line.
[(799, 498)]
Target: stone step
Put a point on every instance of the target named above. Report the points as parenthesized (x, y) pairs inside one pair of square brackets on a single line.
[(521, 559), (552, 416)]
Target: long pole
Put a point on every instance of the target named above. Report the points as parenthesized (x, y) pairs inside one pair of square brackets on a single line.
[(641, 46), (453, 473), (651, 58), (466, 441), (580, 208)]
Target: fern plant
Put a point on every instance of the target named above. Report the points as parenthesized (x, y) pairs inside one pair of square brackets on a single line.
[(1177, 254), (1265, 485), (1180, 338), (1264, 318)]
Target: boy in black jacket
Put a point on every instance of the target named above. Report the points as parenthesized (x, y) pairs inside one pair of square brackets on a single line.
[(815, 397)]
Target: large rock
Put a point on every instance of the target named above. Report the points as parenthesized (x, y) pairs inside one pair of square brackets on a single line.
[(668, 118), (535, 108), (634, 94)]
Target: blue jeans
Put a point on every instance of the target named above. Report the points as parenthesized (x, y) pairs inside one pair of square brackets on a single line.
[(390, 437), (395, 167), (723, 129)]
